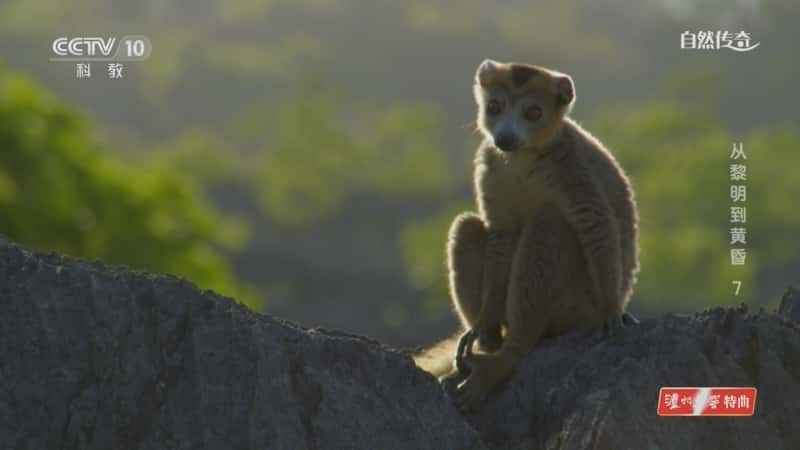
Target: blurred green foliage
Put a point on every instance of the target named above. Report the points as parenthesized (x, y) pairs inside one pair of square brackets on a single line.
[(317, 152), (678, 161), (212, 113), (195, 154), (66, 194)]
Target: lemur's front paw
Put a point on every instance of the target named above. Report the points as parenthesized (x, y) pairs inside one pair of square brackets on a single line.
[(490, 336), (464, 350)]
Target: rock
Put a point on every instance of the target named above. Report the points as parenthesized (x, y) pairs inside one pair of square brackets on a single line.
[(100, 358), (93, 357), (586, 391)]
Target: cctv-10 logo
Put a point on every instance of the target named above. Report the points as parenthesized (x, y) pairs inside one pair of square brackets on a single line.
[(129, 48)]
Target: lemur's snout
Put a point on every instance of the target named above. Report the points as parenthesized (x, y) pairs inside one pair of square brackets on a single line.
[(505, 141)]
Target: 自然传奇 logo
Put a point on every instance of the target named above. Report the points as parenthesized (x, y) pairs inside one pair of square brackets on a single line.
[(717, 40)]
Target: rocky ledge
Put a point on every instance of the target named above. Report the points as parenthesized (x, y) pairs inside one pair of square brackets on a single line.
[(95, 357)]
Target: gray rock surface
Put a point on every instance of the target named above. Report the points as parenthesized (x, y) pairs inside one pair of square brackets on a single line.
[(591, 392), (93, 357), (99, 358)]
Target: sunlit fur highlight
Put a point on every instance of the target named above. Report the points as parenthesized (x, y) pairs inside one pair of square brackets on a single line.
[(552, 247)]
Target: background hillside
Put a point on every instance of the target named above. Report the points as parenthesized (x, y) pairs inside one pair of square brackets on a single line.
[(307, 156)]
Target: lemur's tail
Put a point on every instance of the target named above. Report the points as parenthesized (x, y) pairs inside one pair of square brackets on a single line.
[(439, 358)]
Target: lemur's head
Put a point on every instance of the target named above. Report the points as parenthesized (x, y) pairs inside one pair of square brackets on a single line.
[(521, 106)]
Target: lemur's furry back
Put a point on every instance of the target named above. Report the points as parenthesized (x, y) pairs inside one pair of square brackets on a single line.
[(553, 245)]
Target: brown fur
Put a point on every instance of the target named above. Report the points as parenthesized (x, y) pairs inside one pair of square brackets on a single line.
[(553, 247)]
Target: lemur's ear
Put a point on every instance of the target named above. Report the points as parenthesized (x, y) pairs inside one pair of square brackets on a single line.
[(565, 90), (485, 70)]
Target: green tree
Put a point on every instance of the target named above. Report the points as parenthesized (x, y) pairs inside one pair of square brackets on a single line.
[(60, 191), (679, 161), (317, 154)]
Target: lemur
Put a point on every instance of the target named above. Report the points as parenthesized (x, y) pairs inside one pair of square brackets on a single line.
[(553, 246)]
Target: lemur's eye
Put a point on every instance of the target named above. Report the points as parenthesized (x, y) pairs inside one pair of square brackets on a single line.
[(493, 107), (532, 113)]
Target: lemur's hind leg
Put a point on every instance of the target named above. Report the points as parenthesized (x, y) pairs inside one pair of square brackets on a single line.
[(466, 251), (536, 288)]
